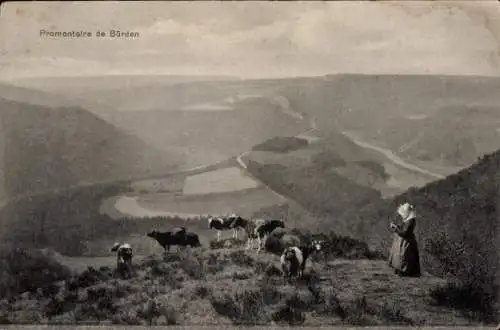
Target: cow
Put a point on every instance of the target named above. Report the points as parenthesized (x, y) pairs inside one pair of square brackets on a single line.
[(124, 256), (220, 224), (293, 260), (260, 230), (177, 237)]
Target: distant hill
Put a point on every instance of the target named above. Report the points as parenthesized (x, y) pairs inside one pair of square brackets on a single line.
[(48, 148), (209, 136), (462, 132), (394, 110), (416, 116), (86, 83)]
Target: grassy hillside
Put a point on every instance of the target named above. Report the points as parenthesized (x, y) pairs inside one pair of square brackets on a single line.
[(456, 230), (47, 148), (457, 226), (213, 286)]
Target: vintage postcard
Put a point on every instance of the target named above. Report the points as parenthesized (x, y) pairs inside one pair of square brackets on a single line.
[(220, 164)]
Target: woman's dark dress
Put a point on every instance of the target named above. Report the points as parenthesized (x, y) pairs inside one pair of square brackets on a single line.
[(404, 255)]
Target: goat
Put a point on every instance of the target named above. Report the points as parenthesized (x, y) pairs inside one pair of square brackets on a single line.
[(293, 260), (233, 222), (260, 229), (123, 258), (178, 237)]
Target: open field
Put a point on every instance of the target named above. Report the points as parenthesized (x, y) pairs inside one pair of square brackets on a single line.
[(218, 190), (219, 181), (244, 202)]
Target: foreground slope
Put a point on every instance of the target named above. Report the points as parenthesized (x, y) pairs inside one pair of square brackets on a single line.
[(457, 227), (230, 286)]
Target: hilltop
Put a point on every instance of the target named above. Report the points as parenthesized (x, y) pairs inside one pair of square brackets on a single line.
[(214, 286)]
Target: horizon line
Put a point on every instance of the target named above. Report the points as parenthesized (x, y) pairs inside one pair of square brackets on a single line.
[(235, 77)]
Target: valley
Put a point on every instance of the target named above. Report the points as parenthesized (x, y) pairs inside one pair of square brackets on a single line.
[(328, 154)]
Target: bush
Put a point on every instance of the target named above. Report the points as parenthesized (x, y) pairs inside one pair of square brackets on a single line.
[(281, 144), (225, 243), (476, 302), (240, 258), (24, 270), (334, 246), (471, 283)]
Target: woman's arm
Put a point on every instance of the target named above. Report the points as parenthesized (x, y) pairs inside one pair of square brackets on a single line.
[(405, 229)]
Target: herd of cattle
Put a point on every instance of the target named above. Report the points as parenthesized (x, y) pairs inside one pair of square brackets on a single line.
[(293, 259)]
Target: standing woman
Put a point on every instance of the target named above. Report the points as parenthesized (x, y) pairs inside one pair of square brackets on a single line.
[(404, 255)]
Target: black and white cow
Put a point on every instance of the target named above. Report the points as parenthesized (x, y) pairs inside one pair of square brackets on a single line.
[(293, 260), (234, 222), (260, 230), (124, 256)]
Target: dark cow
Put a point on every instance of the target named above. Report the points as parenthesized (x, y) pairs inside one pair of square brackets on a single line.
[(260, 230), (124, 255), (234, 222), (293, 260), (177, 237)]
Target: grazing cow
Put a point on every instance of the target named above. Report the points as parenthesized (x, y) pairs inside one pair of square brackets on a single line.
[(238, 223), (293, 260), (261, 229), (220, 224), (123, 258), (178, 237), (251, 231)]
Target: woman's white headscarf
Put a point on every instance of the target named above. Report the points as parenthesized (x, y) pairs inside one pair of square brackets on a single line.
[(406, 211)]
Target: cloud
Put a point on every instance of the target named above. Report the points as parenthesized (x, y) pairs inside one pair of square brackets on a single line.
[(259, 39)]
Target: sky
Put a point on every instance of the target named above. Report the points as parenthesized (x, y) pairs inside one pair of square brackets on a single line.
[(252, 39)]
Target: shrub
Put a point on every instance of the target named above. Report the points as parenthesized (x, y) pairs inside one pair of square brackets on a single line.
[(281, 144), (193, 267), (24, 270), (331, 305), (471, 283), (240, 258), (245, 308), (473, 300)]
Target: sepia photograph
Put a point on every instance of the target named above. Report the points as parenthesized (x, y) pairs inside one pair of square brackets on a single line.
[(231, 163)]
